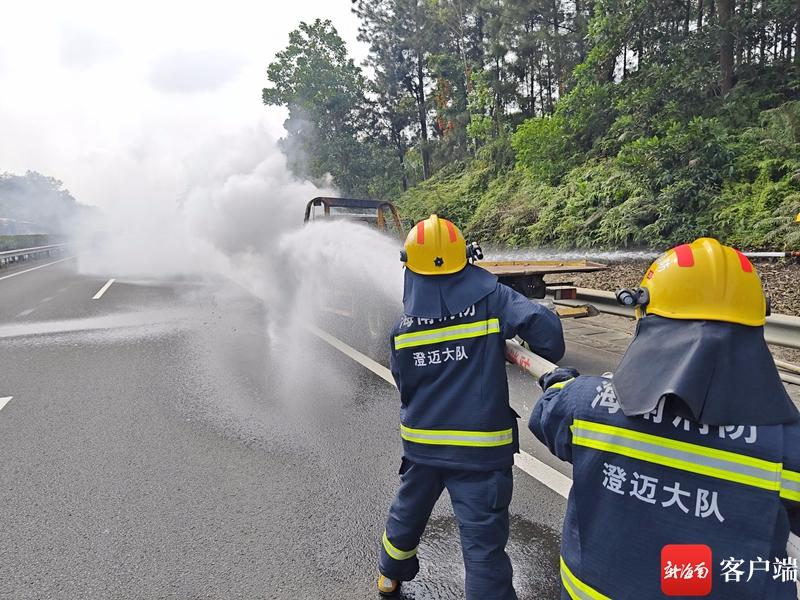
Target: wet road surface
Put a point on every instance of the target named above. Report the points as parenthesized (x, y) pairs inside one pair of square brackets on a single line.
[(161, 443)]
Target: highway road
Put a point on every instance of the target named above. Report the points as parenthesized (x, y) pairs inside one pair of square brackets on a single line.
[(157, 440)]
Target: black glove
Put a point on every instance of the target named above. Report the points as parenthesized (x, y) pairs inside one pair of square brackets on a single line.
[(557, 375)]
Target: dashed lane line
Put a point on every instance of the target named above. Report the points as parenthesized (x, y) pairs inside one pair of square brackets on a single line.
[(4, 401), (103, 289), (545, 474), (26, 312), (55, 262)]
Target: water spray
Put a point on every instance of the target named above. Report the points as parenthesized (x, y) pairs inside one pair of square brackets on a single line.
[(791, 254)]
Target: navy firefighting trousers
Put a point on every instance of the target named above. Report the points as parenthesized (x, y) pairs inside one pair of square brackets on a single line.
[(480, 503)]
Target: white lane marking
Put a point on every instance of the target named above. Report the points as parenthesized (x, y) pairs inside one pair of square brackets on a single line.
[(793, 546), (4, 401), (26, 312), (545, 474), (555, 480), (55, 262), (43, 300), (103, 289), (362, 359)]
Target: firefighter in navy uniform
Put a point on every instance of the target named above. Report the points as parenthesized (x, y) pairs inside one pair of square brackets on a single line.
[(693, 441), (458, 430)]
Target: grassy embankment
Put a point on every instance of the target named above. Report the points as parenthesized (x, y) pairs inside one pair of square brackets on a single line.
[(635, 165)]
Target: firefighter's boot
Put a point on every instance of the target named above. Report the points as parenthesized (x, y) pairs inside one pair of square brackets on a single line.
[(388, 587)]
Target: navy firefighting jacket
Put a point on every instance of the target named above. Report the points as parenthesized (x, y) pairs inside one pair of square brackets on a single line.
[(452, 378), (643, 482)]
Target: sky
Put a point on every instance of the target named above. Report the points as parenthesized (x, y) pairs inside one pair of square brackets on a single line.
[(129, 99)]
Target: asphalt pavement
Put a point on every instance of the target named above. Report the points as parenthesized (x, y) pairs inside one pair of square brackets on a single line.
[(164, 440)]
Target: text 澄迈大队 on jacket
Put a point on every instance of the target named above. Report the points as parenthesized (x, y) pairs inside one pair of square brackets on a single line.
[(643, 482), (451, 374)]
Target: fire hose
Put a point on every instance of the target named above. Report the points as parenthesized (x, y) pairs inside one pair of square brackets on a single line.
[(527, 360)]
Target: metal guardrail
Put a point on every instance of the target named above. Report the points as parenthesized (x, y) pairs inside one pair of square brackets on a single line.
[(781, 330), (9, 256)]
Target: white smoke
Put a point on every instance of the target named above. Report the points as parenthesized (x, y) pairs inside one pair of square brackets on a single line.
[(159, 124), (240, 218)]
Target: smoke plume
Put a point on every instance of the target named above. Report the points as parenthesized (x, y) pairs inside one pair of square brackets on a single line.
[(240, 218)]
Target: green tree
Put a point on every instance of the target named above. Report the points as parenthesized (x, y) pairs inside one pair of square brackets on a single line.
[(634, 121), (726, 41), (37, 203), (559, 122), (314, 78), (404, 32)]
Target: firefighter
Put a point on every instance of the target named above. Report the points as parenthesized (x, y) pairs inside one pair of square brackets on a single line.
[(693, 441), (458, 430)]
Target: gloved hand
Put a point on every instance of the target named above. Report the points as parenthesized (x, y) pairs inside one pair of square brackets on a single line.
[(559, 374)]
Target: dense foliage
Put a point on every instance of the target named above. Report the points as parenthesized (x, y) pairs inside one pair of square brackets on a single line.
[(34, 203), (580, 123)]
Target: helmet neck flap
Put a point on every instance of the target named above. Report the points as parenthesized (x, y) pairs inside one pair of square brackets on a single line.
[(714, 372), (439, 296)]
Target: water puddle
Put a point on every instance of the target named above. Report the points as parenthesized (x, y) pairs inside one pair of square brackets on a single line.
[(533, 548)]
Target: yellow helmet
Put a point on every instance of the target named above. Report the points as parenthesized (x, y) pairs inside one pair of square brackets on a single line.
[(435, 247), (703, 280)]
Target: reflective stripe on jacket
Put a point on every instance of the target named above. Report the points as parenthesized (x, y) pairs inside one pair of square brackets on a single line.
[(452, 379), (640, 483)]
